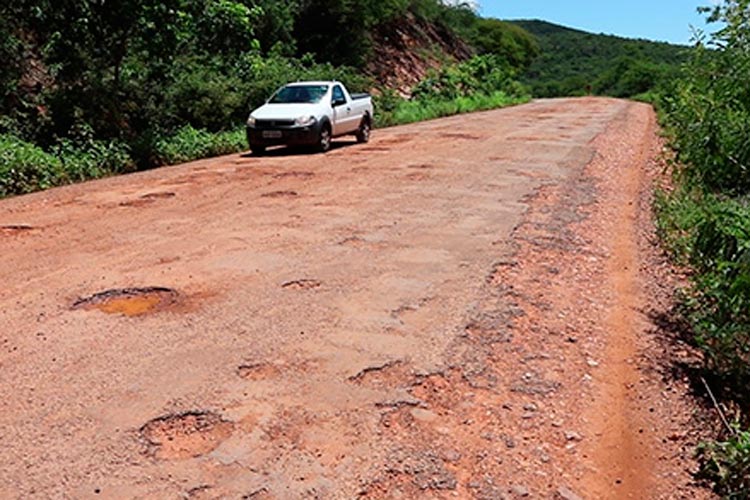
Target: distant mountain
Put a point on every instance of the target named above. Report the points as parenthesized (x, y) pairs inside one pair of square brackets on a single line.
[(575, 62)]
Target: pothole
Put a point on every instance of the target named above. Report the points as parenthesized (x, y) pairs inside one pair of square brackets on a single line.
[(353, 241), (280, 194), (305, 284), (468, 137), (147, 199), (258, 371), (158, 196), (294, 174), (15, 228), (185, 435), (129, 301), (417, 176)]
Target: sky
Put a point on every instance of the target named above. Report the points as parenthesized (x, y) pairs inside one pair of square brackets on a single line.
[(661, 20)]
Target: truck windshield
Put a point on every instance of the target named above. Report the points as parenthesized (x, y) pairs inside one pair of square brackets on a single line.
[(292, 94)]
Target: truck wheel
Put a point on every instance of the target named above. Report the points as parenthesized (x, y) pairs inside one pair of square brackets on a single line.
[(258, 150), (363, 133), (324, 141)]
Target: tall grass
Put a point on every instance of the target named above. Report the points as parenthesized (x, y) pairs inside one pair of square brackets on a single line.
[(428, 109), (25, 167), (191, 144)]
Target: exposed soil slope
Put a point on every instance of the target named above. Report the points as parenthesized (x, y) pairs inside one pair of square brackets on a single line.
[(406, 49)]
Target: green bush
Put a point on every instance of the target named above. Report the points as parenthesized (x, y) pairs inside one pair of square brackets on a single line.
[(25, 167), (93, 159), (481, 74), (727, 465), (720, 309), (710, 110), (482, 82), (191, 144), (706, 222)]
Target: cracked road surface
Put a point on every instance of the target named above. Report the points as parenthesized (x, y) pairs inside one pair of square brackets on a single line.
[(452, 310)]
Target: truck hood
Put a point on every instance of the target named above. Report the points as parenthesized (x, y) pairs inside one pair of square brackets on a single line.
[(285, 111)]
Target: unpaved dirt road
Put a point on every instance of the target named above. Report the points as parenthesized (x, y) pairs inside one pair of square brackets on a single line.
[(459, 309)]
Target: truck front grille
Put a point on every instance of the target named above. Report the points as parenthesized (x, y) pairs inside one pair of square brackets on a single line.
[(274, 123)]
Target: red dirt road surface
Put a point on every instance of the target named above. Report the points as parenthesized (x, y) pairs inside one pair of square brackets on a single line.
[(459, 309)]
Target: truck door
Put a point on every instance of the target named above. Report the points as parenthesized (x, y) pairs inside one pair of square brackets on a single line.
[(342, 112)]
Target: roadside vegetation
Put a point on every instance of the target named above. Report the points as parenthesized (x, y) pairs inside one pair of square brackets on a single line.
[(483, 82), (705, 223), (89, 89)]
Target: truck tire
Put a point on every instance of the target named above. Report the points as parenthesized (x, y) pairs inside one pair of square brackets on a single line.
[(363, 132), (324, 140)]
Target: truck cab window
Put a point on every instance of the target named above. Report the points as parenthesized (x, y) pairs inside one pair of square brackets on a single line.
[(338, 95)]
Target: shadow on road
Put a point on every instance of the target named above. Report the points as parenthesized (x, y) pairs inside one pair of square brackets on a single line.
[(281, 151)]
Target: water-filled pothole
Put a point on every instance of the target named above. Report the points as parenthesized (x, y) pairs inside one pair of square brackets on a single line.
[(129, 301), (185, 435)]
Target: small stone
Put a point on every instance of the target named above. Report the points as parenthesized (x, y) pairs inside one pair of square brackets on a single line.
[(509, 442), (530, 407), (520, 491), (573, 436), (592, 363)]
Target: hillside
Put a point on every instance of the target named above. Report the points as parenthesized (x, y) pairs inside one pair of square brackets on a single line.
[(574, 62)]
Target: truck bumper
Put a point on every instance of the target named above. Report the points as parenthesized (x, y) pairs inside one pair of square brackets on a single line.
[(297, 136)]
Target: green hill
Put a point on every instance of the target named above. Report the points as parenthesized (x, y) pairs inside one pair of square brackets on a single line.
[(574, 62)]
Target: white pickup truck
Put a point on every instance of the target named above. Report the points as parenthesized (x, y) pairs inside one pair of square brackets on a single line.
[(309, 114)]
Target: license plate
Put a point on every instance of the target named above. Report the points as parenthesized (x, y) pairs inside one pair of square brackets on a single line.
[(272, 134)]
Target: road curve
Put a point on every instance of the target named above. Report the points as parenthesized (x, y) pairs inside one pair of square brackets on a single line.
[(379, 321)]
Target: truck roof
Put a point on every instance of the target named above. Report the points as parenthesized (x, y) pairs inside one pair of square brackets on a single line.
[(331, 82)]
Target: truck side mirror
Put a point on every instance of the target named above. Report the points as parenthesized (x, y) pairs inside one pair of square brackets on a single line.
[(338, 102)]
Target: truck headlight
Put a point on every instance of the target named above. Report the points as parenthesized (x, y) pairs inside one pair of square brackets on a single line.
[(304, 121), (251, 121)]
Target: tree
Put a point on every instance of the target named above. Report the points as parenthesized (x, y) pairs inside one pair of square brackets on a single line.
[(517, 46)]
